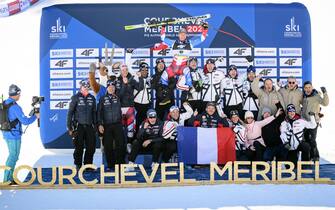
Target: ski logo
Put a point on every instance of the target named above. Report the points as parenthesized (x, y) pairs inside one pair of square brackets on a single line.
[(168, 22)]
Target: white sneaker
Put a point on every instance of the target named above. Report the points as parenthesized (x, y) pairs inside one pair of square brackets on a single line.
[(130, 168), (129, 148)]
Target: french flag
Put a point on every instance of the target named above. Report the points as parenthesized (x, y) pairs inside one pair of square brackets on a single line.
[(205, 145)]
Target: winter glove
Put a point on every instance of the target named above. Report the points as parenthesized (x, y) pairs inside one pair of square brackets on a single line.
[(130, 50), (311, 113), (204, 25), (249, 58), (93, 67), (287, 146), (323, 89)]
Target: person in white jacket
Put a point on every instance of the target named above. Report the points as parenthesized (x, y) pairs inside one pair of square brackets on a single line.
[(240, 131), (175, 119), (250, 99), (233, 91), (212, 87), (292, 134), (190, 83)]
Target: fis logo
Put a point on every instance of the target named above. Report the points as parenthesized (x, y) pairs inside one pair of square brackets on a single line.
[(292, 30), (58, 28)]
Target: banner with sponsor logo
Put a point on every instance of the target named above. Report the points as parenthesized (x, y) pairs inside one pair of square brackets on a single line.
[(73, 36)]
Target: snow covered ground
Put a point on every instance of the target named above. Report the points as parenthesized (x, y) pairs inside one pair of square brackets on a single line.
[(19, 44)]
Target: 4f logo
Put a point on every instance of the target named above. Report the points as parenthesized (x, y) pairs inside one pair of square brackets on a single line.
[(58, 28), (240, 51), (292, 26), (61, 63), (291, 61), (164, 52), (87, 52), (138, 62), (61, 105), (265, 72)]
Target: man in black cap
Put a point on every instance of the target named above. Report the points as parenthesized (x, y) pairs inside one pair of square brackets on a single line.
[(149, 138), (142, 98), (110, 126), (210, 118), (164, 93), (233, 91), (81, 124)]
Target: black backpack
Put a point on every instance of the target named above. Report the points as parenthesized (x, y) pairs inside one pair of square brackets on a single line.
[(5, 124)]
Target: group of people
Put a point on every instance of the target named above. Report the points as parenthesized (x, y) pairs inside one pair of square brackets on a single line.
[(269, 122)]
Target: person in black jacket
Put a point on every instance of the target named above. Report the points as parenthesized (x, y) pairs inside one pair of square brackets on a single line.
[(164, 92), (125, 86), (81, 122), (271, 136), (110, 126), (209, 119), (149, 138)]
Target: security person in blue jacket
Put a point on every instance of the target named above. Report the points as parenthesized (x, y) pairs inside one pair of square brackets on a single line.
[(13, 136), (81, 122), (110, 126)]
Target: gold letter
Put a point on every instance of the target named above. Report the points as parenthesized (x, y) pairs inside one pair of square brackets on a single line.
[(317, 173), (68, 177), (237, 170), (301, 171), (124, 174), (53, 176), (4, 168), (148, 179), (182, 173), (215, 168), (115, 174), (262, 173), (81, 172), (165, 173), (280, 171), (30, 169)]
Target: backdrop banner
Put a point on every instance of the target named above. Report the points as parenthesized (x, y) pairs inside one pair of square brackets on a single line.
[(74, 35)]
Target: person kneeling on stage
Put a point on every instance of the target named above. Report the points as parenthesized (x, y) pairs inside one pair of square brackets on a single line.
[(175, 119), (210, 118), (292, 134), (149, 138), (110, 126), (255, 142), (240, 131)]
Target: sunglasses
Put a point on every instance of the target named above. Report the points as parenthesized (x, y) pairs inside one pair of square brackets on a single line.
[(249, 118), (291, 83)]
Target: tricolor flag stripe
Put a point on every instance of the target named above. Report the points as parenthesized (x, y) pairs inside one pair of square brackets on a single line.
[(205, 145), (187, 144), (226, 145)]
